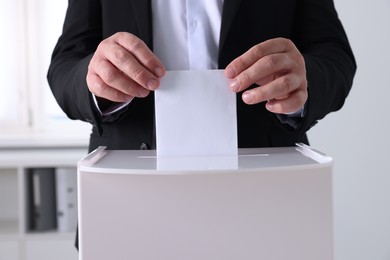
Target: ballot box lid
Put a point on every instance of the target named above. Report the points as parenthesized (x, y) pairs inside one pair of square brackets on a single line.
[(144, 161)]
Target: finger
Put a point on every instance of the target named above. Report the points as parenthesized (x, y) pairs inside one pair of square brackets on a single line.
[(257, 52), (263, 71), (100, 89), (276, 89), (142, 53), (288, 105), (125, 62), (114, 78)]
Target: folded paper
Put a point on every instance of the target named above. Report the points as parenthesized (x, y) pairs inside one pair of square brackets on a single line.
[(195, 114)]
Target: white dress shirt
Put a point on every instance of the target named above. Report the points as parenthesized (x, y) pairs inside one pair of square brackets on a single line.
[(185, 36), (186, 33)]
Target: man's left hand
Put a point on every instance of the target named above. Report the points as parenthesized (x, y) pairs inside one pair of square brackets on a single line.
[(278, 68)]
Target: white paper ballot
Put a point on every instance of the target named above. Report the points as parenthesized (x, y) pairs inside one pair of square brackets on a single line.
[(195, 114)]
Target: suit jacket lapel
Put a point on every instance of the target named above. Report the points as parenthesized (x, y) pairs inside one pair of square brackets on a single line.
[(143, 16), (229, 11)]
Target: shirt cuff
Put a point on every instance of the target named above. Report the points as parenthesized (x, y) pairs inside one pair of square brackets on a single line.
[(299, 113), (112, 109), (293, 119)]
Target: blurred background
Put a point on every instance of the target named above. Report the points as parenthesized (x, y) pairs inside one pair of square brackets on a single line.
[(357, 137), (29, 114)]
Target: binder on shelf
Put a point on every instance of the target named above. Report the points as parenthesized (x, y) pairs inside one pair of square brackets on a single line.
[(42, 199), (66, 194)]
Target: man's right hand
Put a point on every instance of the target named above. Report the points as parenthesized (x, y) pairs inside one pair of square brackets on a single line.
[(123, 67)]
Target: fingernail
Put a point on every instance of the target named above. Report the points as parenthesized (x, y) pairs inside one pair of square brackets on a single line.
[(159, 72), (128, 98), (230, 72), (143, 92), (269, 106), (234, 86), (152, 84), (247, 97)]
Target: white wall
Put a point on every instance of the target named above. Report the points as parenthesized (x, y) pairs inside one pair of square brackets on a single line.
[(358, 137)]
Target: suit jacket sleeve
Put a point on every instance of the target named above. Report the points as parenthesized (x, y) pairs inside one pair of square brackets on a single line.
[(330, 64), (82, 32), (314, 26)]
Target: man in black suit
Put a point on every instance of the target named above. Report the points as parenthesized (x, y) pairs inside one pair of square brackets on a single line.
[(282, 56)]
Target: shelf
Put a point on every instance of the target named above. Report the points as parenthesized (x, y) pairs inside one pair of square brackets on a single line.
[(9, 201), (17, 160), (51, 235), (9, 227), (65, 137), (42, 157)]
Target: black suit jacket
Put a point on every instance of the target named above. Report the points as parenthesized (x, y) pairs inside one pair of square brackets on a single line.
[(312, 25)]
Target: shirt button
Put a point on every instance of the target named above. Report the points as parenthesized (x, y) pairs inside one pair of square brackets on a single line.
[(194, 24), (144, 146)]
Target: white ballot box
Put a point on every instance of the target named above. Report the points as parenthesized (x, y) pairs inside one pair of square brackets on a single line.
[(266, 203)]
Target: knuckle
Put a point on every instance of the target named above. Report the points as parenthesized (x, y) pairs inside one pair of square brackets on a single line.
[(121, 36), (302, 98), (108, 75), (287, 84), (115, 95), (98, 88), (299, 62), (139, 75), (287, 42), (258, 50), (136, 44), (149, 61), (129, 90), (269, 61), (103, 44), (117, 35), (120, 55), (244, 78), (240, 63)]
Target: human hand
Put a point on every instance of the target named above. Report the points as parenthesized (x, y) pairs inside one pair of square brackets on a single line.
[(278, 68), (123, 67)]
